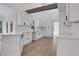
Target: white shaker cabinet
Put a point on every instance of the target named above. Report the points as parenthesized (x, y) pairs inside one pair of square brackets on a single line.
[(68, 47), (73, 11), (23, 18)]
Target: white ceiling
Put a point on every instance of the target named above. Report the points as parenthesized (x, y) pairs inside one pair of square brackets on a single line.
[(45, 15), (24, 6)]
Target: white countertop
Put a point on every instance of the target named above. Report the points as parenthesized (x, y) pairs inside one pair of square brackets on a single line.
[(11, 34)]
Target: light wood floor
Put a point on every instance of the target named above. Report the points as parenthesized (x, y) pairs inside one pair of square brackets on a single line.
[(41, 47)]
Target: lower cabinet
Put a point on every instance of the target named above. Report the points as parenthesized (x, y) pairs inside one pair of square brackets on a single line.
[(27, 37), (10, 45), (68, 47)]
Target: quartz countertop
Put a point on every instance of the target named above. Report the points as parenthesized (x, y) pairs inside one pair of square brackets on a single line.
[(11, 34)]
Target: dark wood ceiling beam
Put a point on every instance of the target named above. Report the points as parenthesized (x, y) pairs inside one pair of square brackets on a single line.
[(43, 8)]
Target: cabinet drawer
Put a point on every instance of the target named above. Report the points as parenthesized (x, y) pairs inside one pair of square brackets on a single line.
[(68, 47)]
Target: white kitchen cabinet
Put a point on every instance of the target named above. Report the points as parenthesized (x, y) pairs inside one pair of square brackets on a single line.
[(73, 11), (27, 37), (11, 45), (68, 47), (33, 35), (73, 16), (27, 33)]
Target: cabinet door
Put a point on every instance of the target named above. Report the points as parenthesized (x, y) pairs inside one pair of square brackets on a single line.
[(73, 11), (27, 37), (0, 26), (68, 47)]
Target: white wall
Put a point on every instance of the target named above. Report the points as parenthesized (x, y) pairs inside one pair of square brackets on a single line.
[(22, 17), (7, 12)]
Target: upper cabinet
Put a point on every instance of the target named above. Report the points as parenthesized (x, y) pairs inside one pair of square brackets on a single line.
[(73, 11)]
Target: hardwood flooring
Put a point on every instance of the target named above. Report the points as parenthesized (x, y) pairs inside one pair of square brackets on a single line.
[(41, 47)]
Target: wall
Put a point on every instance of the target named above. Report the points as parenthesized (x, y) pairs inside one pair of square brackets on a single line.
[(6, 12), (22, 17)]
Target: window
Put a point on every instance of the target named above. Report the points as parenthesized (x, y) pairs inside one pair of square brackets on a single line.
[(7, 27), (11, 26), (0, 26)]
